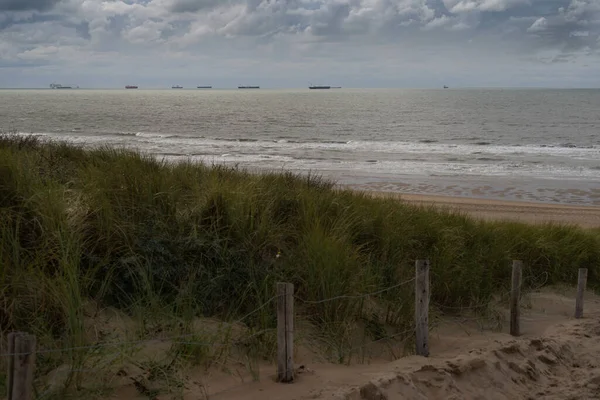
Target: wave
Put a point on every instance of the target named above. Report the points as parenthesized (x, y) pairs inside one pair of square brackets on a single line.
[(157, 142), (154, 135), (39, 134), (389, 147), (388, 144), (376, 167), (489, 159)]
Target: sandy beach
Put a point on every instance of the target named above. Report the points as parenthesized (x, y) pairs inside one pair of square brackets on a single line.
[(488, 209)]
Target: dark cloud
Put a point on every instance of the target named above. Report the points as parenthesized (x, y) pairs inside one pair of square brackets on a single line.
[(10, 20), (82, 29), (27, 5), (183, 6), (331, 20), (557, 33), (574, 27), (23, 63)]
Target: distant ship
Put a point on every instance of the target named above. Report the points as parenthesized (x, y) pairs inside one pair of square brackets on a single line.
[(176, 87), (204, 87), (445, 87), (248, 87), (59, 86), (318, 86), (131, 87)]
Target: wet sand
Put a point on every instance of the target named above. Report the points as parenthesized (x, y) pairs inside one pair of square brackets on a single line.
[(572, 193), (584, 216)]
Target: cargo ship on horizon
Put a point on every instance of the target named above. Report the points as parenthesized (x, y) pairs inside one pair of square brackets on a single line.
[(248, 87), (310, 86), (59, 86), (131, 87), (203, 87)]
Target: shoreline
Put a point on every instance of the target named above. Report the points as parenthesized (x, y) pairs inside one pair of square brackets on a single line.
[(502, 210)]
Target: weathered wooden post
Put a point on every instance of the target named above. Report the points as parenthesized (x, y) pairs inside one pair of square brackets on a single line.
[(285, 332), (581, 284), (515, 295), (21, 365), (422, 307)]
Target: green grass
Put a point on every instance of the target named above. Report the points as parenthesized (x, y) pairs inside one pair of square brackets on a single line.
[(166, 244)]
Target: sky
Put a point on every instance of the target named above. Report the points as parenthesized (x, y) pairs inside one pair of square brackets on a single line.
[(289, 43)]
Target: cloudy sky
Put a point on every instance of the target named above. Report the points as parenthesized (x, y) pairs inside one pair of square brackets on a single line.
[(287, 43)]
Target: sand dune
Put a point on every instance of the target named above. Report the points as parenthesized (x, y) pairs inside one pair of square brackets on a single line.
[(560, 365), (557, 357)]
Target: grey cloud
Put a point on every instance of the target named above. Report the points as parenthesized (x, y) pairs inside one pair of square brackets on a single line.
[(330, 20), (27, 5), (459, 6), (574, 27), (23, 64), (268, 17), (82, 29), (503, 28), (9, 19), (183, 6), (562, 58)]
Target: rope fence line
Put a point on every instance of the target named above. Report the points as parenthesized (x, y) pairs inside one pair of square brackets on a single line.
[(358, 296), (98, 346), (173, 339), (22, 346), (501, 295)]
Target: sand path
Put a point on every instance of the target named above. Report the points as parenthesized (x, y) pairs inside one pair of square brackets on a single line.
[(557, 357)]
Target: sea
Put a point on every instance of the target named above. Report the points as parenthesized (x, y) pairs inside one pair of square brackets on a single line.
[(540, 145)]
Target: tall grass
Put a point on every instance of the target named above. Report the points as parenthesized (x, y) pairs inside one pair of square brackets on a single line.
[(168, 243)]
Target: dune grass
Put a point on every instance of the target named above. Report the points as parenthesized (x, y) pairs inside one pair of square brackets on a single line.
[(89, 230)]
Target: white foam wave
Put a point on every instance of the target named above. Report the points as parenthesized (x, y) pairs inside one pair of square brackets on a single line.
[(590, 153), (402, 167), (376, 157)]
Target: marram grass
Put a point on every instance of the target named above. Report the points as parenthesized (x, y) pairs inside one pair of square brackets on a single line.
[(166, 244)]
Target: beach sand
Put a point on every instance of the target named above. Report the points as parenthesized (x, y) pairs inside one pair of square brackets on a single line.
[(556, 357), (488, 209)]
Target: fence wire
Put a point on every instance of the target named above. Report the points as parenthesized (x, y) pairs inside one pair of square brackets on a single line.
[(181, 339), (488, 304), (359, 296), (146, 341), (174, 339)]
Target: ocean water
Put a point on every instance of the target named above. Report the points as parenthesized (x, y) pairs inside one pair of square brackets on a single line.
[(537, 145)]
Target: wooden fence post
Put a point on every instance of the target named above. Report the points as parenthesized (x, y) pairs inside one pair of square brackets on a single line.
[(581, 284), (285, 332), (21, 364), (10, 364), (422, 307), (515, 295)]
